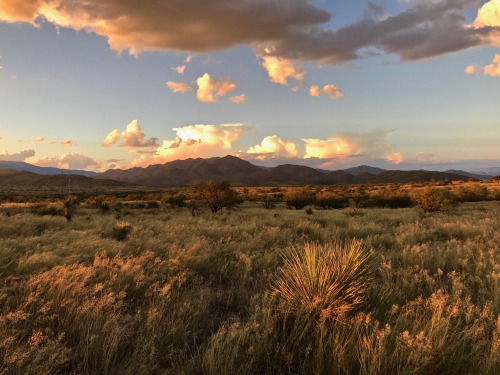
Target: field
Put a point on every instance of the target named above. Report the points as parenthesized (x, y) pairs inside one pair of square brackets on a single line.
[(149, 288)]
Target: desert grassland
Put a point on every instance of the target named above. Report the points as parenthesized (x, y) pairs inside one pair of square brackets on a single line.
[(235, 292)]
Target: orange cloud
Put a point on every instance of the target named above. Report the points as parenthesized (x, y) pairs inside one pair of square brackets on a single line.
[(395, 158), (272, 147), (210, 90), (111, 138), (330, 90), (39, 139), (195, 141), (281, 69), (179, 69), (179, 87), (471, 69), (493, 69), (238, 99), (67, 142)]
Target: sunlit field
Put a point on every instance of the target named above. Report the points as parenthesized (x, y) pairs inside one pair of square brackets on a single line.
[(152, 288)]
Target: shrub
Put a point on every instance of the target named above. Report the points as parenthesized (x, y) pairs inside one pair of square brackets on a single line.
[(432, 199), (214, 195), (474, 193), (299, 198), (324, 281), (331, 200), (121, 230)]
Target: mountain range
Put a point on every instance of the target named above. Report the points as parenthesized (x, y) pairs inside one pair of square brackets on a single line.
[(237, 171)]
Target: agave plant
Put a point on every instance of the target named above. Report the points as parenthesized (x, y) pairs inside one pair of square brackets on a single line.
[(324, 281)]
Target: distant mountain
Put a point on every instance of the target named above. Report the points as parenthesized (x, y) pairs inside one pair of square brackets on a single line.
[(242, 173), (21, 166), (471, 175), (9, 177), (355, 171)]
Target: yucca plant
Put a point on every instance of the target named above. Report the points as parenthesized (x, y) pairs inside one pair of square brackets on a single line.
[(324, 281)]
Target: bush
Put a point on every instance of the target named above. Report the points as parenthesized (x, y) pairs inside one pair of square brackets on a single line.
[(432, 199), (214, 195), (121, 230), (299, 198), (474, 193)]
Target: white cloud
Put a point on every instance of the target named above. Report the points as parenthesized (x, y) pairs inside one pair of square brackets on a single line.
[(273, 147), (179, 87), (238, 99), (210, 90), (426, 157), (281, 69)]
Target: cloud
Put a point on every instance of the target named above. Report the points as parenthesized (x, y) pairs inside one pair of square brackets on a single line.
[(39, 139), (426, 157), (68, 161), (67, 142), (179, 87), (293, 29), (274, 147), (193, 141), (493, 69), (330, 90), (131, 137), (489, 16), (111, 138), (372, 144), (395, 158), (238, 99), (210, 90), (179, 69), (280, 69), (20, 156), (471, 69)]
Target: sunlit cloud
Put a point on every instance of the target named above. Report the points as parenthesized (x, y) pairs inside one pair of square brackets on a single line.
[(67, 142), (179, 69), (489, 16), (209, 90), (40, 139), (19, 156), (111, 138), (131, 137), (196, 141), (395, 158), (68, 161), (494, 68), (372, 144), (330, 90), (280, 70), (274, 147), (238, 99), (179, 87), (471, 69)]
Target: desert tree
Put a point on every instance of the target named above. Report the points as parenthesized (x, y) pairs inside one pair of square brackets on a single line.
[(214, 195)]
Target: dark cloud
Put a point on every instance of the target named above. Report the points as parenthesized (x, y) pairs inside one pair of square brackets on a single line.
[(288, 28), (20, 156)]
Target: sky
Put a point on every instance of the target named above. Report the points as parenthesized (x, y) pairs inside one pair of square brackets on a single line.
[(398, 84)]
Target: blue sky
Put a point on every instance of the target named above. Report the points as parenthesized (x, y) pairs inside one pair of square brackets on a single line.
[(332, 84)]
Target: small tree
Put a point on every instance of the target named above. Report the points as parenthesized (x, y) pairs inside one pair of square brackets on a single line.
[(214, 195), (432, 199), (298, 198)]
